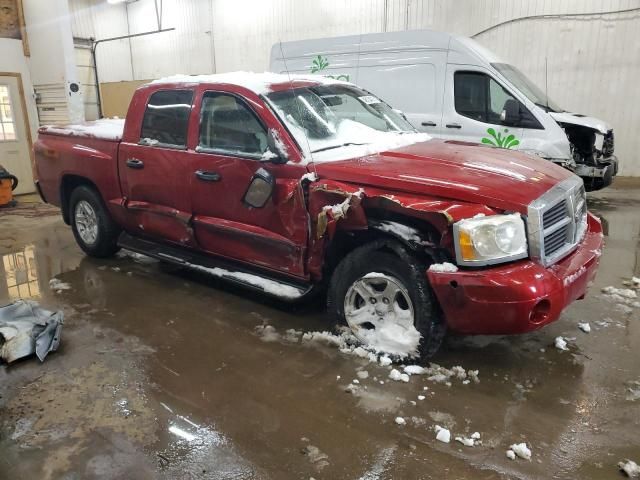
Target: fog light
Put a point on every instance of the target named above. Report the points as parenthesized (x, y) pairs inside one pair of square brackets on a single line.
[(540, 312)]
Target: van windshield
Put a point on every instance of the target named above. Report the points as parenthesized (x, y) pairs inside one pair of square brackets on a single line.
[(527, 87), (327, 117)]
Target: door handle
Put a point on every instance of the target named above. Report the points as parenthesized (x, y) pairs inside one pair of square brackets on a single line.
[(454, 125), (208, 176), (429, 124), (135, 163)]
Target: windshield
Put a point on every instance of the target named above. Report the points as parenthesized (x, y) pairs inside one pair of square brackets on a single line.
[(327, 117), (526, 86)]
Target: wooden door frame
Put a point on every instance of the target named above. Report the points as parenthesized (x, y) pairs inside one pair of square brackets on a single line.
[(25, 116)]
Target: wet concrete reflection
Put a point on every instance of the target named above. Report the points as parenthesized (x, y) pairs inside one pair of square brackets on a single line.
[(162, 375)]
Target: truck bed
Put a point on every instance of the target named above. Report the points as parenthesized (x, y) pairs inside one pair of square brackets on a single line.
[(88, 150)]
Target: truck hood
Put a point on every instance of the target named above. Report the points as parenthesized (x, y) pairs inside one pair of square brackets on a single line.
[(467, 172), (581, 120)]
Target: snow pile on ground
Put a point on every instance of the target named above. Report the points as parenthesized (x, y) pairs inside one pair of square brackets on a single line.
[(471, 441), (58, 286), (442, 434), (585, 327), (560, 343), (519, 449), (633, 390), (316, 457), (104, 129), (396, 376), (438, 374), (626, 299), (445, 267), (630, 468)]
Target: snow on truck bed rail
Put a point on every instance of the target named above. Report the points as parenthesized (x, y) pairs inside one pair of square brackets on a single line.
[(103, 129)]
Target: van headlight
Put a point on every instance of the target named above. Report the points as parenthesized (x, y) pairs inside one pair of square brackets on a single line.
[(489, 240)]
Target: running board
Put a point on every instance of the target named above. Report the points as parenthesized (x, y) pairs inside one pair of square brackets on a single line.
[(283, 289)]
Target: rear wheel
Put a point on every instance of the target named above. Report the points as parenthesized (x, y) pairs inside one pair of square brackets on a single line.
[(94, 230), (383, 296)]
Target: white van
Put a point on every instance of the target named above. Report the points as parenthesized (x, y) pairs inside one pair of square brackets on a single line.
[(453, 88)]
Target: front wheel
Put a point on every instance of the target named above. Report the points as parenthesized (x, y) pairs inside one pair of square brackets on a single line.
[(385, 299), (94, 230)]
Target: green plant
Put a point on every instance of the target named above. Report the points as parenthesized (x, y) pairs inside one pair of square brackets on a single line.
[(497, 140), (319, 63)]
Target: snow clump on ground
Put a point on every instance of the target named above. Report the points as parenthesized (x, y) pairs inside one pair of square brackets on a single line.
[(630, 468), (519, 449), (58, 286)]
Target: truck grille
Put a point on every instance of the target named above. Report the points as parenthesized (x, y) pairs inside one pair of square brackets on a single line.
[(557, 221), (607, 144)]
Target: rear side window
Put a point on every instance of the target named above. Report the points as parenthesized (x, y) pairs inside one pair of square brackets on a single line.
[(166, 118), (229, 126)]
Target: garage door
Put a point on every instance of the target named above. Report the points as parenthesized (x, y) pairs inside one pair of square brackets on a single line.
[(14, 142)]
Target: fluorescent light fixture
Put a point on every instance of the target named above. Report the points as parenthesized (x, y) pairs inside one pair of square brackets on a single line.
[(115, 2)]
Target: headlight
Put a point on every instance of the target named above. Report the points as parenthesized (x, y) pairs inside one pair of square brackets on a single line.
[(489, 240)]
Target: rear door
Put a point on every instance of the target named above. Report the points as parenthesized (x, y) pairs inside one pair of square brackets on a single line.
[(473, 104), (231, 142), (154, 170)]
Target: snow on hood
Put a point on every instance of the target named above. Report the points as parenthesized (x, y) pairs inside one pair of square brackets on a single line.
[(104, 129), (582, 120), (259, 83)]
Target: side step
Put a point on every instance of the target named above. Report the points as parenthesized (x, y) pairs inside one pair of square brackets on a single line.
[(269, 284)]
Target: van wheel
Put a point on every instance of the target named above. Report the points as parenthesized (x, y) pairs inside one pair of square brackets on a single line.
[(384, 297), (94, 230)]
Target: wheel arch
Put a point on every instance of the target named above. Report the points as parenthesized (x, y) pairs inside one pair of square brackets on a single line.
[(68, 184)]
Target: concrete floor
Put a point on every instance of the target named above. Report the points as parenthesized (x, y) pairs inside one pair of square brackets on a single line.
[(161, 374)]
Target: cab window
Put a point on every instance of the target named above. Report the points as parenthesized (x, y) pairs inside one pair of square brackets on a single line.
[(479, 97), (229, 126), (166, 118)]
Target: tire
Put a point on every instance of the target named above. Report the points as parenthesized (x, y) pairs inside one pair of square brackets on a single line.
[(398, 266), (87, 212)]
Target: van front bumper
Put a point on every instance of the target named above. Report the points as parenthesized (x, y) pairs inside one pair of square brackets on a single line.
[(518, 297)]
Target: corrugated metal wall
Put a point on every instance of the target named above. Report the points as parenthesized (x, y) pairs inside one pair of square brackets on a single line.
[(593, 61)]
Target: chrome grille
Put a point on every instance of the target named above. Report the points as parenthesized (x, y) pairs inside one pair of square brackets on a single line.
[(557, 221)]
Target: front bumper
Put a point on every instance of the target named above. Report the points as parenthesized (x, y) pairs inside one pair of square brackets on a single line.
[(517, 297)]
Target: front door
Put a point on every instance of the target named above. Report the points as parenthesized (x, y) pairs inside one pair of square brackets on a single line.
[(473, 106), (14, 139), (154, 170), (231, 144)]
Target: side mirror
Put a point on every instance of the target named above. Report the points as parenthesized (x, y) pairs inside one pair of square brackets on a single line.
[(511, 113), (276, 147), (260, 189)]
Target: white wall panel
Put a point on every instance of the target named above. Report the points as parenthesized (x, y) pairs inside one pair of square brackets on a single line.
[(592, 61)]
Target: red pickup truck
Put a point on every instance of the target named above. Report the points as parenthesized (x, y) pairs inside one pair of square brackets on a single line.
[(297, 185)]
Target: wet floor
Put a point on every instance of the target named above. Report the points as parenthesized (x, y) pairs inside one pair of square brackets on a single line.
[(162, 374)]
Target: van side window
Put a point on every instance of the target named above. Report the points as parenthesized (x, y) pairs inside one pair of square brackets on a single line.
[(228, 125), (166, 118), (479, 97)]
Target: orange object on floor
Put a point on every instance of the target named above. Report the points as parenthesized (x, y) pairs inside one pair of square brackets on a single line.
[(8, 184)]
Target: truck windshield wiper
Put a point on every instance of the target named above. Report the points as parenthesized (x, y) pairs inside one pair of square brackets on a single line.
[(348, 144)]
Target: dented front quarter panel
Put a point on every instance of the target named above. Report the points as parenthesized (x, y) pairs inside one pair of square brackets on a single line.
[(324, 194)]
